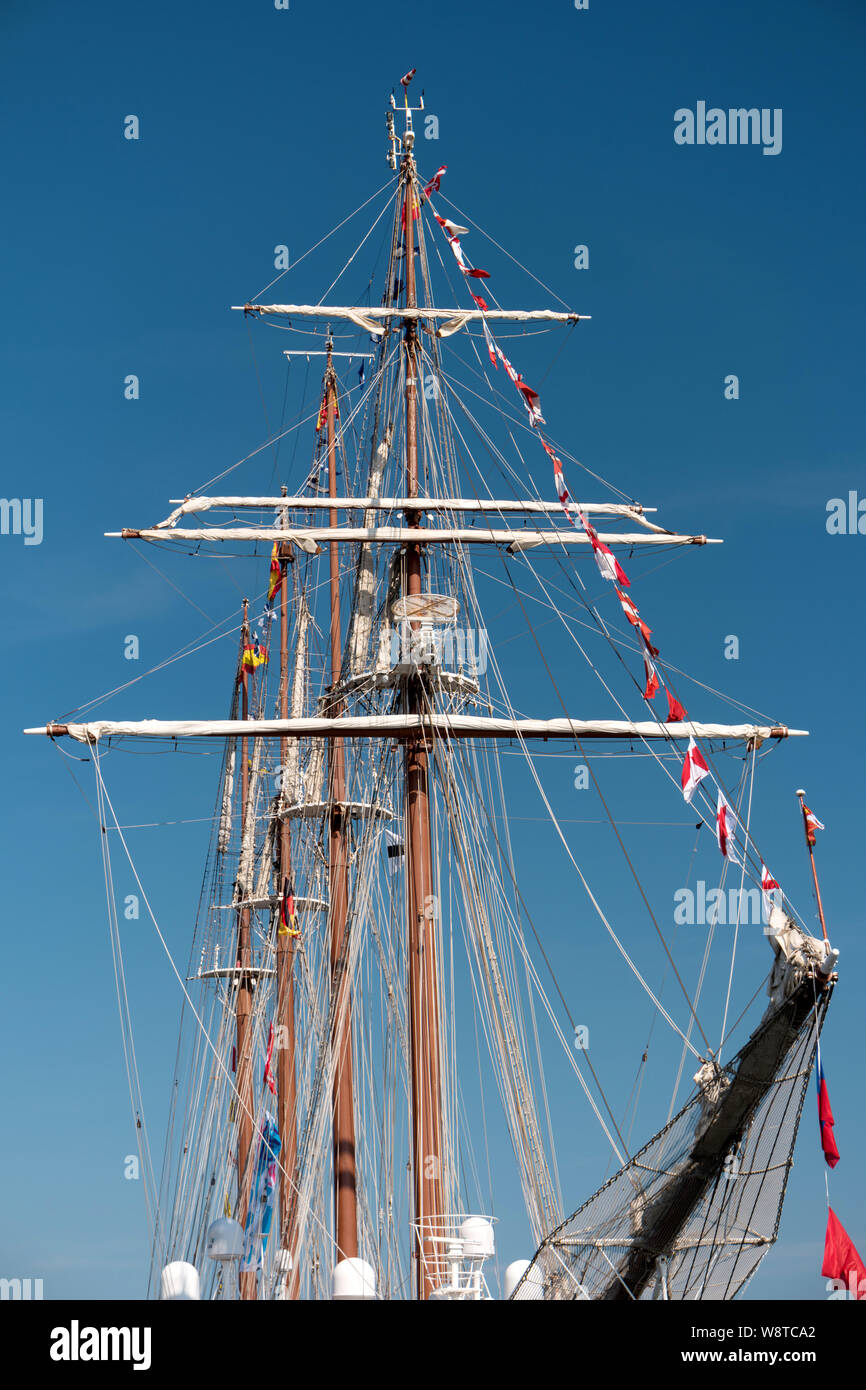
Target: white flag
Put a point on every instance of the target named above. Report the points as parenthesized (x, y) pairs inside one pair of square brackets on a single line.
[(396, 851)]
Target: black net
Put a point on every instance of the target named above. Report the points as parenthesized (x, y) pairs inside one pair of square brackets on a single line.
[(692, 1215)]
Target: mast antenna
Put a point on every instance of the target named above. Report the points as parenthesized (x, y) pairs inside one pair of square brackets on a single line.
[(810, 845)]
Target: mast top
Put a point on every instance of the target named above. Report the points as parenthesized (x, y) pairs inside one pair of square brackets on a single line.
[(396, 143)]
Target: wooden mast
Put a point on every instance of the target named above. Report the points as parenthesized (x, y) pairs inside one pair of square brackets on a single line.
[(286, 1064), (345, 1184), (423, 974), (245, 994)]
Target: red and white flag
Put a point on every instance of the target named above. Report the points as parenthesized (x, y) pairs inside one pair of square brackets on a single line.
[(812, 824), (506, 364), (629, 607), (561, 490), (433, 187), (451, 228), (608, 565), (527, 395), (694, 770), (725, 823), (768, 885), (559, 480), (404, 81), (531, 401), (652, 679), (488, 338), (458, 253), (269, 1079)]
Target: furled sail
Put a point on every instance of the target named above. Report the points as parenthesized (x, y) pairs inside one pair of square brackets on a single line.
[(290, 787), (365, 592), (225, 827)]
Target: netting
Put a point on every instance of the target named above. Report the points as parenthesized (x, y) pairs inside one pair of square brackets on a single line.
[(692, 1214)]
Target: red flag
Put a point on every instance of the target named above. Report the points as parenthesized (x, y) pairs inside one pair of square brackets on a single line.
[(694, 770), (482, 304), (269, 1080), (676, 713), (531, 400), (323, 410), (476, 274), (841, 1260), (415, 211), (825, 1118)]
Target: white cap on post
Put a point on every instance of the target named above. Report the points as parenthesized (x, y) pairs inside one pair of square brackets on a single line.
[(354, 1279), (225, 1239), (180, 1280), (533, 1286), (476, 1234)]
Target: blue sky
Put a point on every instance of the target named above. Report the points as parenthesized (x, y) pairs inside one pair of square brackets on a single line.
[(261, 127)]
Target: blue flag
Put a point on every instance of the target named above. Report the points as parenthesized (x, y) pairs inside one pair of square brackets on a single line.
[(261, 1209)]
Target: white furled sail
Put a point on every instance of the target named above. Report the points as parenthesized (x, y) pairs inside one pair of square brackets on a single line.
[(225, 826), (365, 594), (244, 883), (393, 725), (310, 538), (290, 783)]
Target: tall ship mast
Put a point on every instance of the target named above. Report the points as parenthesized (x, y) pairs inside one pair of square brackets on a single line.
[(364, 937)]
